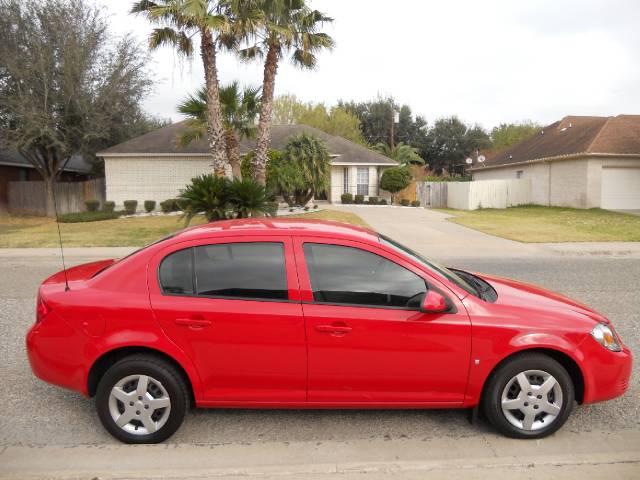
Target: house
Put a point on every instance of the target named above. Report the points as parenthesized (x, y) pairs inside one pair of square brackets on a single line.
[(15, 168), (581, 162), (154, 167)]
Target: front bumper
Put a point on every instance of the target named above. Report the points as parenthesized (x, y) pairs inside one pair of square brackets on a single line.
[(606, 373)]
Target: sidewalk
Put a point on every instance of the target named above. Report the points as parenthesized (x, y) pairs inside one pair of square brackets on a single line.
[(568, 455)]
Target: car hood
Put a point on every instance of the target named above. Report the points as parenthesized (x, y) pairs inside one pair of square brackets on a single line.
[(513, 292)]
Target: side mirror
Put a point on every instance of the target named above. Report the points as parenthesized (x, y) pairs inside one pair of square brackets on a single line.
[(434, 302)]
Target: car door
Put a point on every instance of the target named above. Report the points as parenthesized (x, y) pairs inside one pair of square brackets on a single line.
[(368, 341), (232, 304)]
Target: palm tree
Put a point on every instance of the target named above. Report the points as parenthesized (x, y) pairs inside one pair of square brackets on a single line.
[(309, 156), (402, 153), (285, 26), (239, 110), (178, 22)]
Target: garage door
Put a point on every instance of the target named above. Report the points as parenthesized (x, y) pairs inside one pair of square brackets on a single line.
[(620, 188)]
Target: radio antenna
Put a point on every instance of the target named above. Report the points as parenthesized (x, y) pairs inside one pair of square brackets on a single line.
[(55, 209)]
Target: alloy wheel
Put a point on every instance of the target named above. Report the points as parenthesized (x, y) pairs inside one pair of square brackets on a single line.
[(532, 400), (139, 404)]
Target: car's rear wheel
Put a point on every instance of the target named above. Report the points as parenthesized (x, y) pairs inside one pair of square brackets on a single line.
[(529, 396), (141, 399)]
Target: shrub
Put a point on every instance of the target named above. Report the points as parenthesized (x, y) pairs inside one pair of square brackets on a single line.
[(149, 205), (383, 201), (373, 201), (169, 205), (415, 203), (359, 199), (306, 208), (92, 205), (109, 206), (346, 198), (315, 206), (247, 198), (87, 217), (395, 179), (405, 202), (130, 206)]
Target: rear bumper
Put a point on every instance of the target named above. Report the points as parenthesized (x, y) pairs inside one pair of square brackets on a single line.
[(606, 373), (55, 352)]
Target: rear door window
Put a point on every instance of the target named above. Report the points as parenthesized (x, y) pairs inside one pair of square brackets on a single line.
[(252, 270)]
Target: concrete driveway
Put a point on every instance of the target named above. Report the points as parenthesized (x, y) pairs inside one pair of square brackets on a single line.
[(428, 232)]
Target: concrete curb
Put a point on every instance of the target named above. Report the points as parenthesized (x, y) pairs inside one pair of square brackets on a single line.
[(454, 456)]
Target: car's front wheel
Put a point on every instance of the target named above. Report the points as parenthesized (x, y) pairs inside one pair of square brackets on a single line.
[(141, 399), (529, 396)]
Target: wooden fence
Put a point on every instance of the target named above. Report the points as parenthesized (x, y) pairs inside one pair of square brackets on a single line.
[(30, 197), (432, 194)]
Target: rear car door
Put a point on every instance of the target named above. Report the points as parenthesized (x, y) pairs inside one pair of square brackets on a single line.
[(232, 304), (368, 341)]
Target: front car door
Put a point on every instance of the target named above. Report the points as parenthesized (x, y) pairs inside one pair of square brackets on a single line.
[(368, 341), (232, 304)]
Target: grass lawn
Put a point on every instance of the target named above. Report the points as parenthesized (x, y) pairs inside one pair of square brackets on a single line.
[(551, 224), (18, 231)]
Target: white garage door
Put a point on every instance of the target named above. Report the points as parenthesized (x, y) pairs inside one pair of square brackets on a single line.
[(620, 188)]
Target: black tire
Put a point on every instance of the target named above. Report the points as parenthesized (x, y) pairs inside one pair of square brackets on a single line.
[(158, 369), (498, 380)]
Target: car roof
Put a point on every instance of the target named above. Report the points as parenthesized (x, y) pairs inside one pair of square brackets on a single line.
[(278, 226)]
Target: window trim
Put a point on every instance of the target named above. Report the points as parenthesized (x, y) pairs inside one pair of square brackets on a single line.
[(304, 241), (365, 185), (195, 294)]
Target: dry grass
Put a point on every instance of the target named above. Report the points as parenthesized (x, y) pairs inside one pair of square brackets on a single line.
[(552, 224), (19, 231)]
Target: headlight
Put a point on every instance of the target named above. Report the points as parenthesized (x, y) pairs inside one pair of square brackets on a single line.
[(606, 337)]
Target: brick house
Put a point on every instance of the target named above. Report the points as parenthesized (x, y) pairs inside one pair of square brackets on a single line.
[(154, 167), (581, 162)]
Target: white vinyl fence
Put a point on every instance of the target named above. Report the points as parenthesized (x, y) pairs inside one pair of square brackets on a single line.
[(488, 194)]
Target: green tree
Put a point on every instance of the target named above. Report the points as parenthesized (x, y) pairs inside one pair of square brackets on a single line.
[(401, 153), (250, 199), (239, 108), (67, 86), (178, 22), (395, 179), (288, 110), (508, 134), (450, 141), (376, 117), (285, 26)]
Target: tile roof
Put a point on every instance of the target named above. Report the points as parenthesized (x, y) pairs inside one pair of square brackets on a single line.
[(163, 141), (575, 135)]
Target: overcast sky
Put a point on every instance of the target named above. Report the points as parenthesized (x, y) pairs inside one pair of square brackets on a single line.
[(486, 61)]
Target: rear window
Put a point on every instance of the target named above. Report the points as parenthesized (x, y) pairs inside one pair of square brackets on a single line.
[(252, 270)]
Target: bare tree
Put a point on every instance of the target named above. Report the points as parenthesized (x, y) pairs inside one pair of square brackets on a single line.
[(66, 85)]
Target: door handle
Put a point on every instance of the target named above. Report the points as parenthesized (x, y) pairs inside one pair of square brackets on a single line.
[(193, 322), (334, 329)]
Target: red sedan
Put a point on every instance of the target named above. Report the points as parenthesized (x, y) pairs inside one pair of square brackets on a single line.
[(302, 314)]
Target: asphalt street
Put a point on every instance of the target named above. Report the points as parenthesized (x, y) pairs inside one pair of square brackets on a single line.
[(38, 414)]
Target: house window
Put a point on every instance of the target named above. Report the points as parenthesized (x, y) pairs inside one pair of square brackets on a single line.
[(363, 181), (345, 180), (23, 175), (519, 173)]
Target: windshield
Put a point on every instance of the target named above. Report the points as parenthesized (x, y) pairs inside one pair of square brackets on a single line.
[(430, 265)]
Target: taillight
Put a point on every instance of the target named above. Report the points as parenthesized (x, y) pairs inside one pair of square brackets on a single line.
[(42, 309)]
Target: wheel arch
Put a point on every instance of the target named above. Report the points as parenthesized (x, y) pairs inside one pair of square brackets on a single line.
[(109, 358), (569, 363)]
